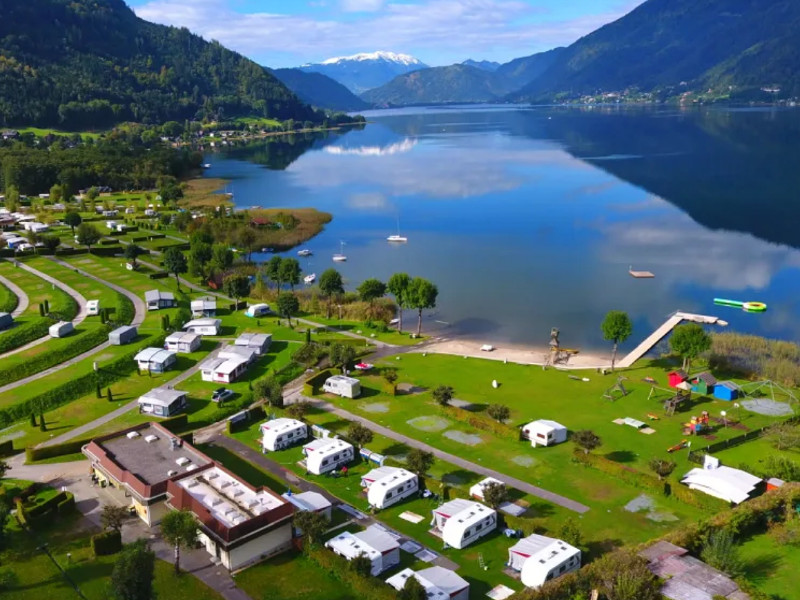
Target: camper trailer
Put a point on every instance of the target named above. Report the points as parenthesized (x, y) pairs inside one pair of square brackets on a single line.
[(162, 402), (183, 342), (260, 342), (155, 360), (462, 522), (282, 433), (544, 433), (156, 299), (539, 558), (122, 335), (325, 455), (257, 310), (93, 307), (382, 549), (204, 307), (389, 485), (61, 329), (203, 326), (341, 385), (223, 370)]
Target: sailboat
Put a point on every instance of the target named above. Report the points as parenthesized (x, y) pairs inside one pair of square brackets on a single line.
[(398, 237), (340, 257), (309, 279)]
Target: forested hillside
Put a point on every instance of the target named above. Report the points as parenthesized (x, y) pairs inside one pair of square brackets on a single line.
[(87, 64), (320, 90)]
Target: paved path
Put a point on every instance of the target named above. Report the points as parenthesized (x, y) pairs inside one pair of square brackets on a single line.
[(82, 314), (140, 310), (446, 456), (86, 427), (23, 300)]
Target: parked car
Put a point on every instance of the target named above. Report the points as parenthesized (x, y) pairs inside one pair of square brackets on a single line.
[(221, 394)]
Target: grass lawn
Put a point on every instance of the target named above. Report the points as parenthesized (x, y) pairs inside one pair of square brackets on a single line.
[(42, 132), (38, 290), (291, 576), (772, 567), (754, 453), (8, 299), (390, 337)]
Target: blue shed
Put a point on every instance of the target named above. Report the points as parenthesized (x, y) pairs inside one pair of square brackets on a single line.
[(727, 390)]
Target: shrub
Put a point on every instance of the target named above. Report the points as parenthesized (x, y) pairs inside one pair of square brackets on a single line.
[(7, 448), (364, 588), (106, 543), (25, 333)]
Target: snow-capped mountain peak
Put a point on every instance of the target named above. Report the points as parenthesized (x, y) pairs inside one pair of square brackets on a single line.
[(403, 59)]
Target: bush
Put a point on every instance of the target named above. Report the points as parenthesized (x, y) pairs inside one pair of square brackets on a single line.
[(8, 300), (25, 333), (41, 514), (313, 385), (158, 275), (124, 310), (7, 448), (106, 543)]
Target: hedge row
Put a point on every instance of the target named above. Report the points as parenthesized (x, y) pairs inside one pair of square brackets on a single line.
[(40, 362), (106, 543), (171, 244), (8, 300), (649, 482), (25, 333), (80, 386), (124, 311), (159, 275), (481, 422), (313, 384), (7, 448), (42, 452), (62, 503), (364, 588)]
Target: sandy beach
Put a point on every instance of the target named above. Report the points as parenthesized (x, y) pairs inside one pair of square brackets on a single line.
[(526, 355)]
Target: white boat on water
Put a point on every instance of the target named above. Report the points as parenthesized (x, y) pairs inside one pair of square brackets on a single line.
[(309, 279), (340, 257), (397, 237), (304, 252), (207, 166)]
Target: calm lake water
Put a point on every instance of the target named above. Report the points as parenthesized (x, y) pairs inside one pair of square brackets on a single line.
[(528, 219)]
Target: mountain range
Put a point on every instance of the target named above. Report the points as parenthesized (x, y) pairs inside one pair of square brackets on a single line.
[(88, 64), (319, 90), (362, 72)]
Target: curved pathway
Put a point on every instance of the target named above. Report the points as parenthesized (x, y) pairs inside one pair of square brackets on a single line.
[(140, 311), (23, 300), (77, 296)]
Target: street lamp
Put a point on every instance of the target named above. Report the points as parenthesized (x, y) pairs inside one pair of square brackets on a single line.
[(738, 411), (724, 419)]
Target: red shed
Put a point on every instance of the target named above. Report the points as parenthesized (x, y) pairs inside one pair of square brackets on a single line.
[(677, 377)]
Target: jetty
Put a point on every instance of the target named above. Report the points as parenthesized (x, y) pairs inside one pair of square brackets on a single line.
[(640, 274), (659, 334)]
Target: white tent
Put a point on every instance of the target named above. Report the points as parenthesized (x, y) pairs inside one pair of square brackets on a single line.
[(726, 483)]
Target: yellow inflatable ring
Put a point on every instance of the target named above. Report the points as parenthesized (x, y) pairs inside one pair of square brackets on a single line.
[(754, 307)]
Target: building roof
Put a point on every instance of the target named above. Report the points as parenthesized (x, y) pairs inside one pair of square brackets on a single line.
[(308, 501), (326, 446), (707, 377), (253, 339), (680, 373), (204, 303), (464, 512), (733, 485), (206, 322), (439, 583), (344, 379), (237, 352), (546, 424), (123, 329), (223, 365), (161, 396), (154, 355), (729, 385), (186, 337), (279, 425), (158, 295), (545, 550), (373, 542)]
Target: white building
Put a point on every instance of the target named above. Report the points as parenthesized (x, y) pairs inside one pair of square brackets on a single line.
[(439, 583), (257, 310), (282, 433), (223, 370), (544, 433), (538, 559), (61, 329), (203, 326), (310, 502), (342, 385), (183, 342), (476, 491), (155, 360), (327, 454), (260, 342), (389, 485), (462, 522), (377, 545), (204, 307), (162, 402), (726, 483), (156, 299)]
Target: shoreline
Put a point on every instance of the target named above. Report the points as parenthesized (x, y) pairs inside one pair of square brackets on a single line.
[(515, 353)]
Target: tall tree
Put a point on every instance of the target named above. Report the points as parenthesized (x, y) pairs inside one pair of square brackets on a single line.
[(662, 468), (721, 552), (617, 328), (689, 341), (412, 590), (443, 394), (312, 524), (331, 285), (298, 410), (269, 390), (362, 565), (499, 412), (56, 193), (341, 355), (273, 271), (175, 263), (288, 305), (418, 461), (113, 516), (421, 296), (179, 530), (236, 286), (398, 286), (72, 219), (221, 257), (51, 242), (247, 239), (494, 493), (370, 290), (200, 254), (132, 576), (133, 252), (88, 236), (290, 272), (587, 440)]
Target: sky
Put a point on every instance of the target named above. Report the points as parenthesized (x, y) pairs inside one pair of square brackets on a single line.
[(287, 33)]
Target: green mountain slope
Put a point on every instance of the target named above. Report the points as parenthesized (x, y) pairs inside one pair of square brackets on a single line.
[(319, 90), (693, 44), (91, 63), (522, 71)]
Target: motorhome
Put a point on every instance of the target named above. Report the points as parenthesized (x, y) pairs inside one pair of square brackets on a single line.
[(342, 385)]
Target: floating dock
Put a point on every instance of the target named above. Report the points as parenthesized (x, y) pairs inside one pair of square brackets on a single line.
[(640, 274)]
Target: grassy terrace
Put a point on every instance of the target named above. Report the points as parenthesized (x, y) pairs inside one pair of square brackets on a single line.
[(8, 300), (38, 290), (600, 526)]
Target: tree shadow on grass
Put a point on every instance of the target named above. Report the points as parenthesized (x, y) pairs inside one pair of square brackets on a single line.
[(595, 549), (337, 425), (395, 449), (459, 477), (621, 456), (763, 566)]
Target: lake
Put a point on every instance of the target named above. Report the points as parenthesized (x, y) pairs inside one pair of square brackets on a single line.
[(530, 218)]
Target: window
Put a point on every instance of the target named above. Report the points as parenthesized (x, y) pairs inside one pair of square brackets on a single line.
[(478, 527), (539, 435), (324, 462)]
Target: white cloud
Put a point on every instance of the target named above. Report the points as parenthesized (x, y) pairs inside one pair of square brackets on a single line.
[(442, 30)]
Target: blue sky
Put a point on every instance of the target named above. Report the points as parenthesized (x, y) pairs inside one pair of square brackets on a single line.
[(285, 33)]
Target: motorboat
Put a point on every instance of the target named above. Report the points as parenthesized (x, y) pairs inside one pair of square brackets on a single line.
[(309, 279), (340, 257), (397, 238), (304, 252)]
